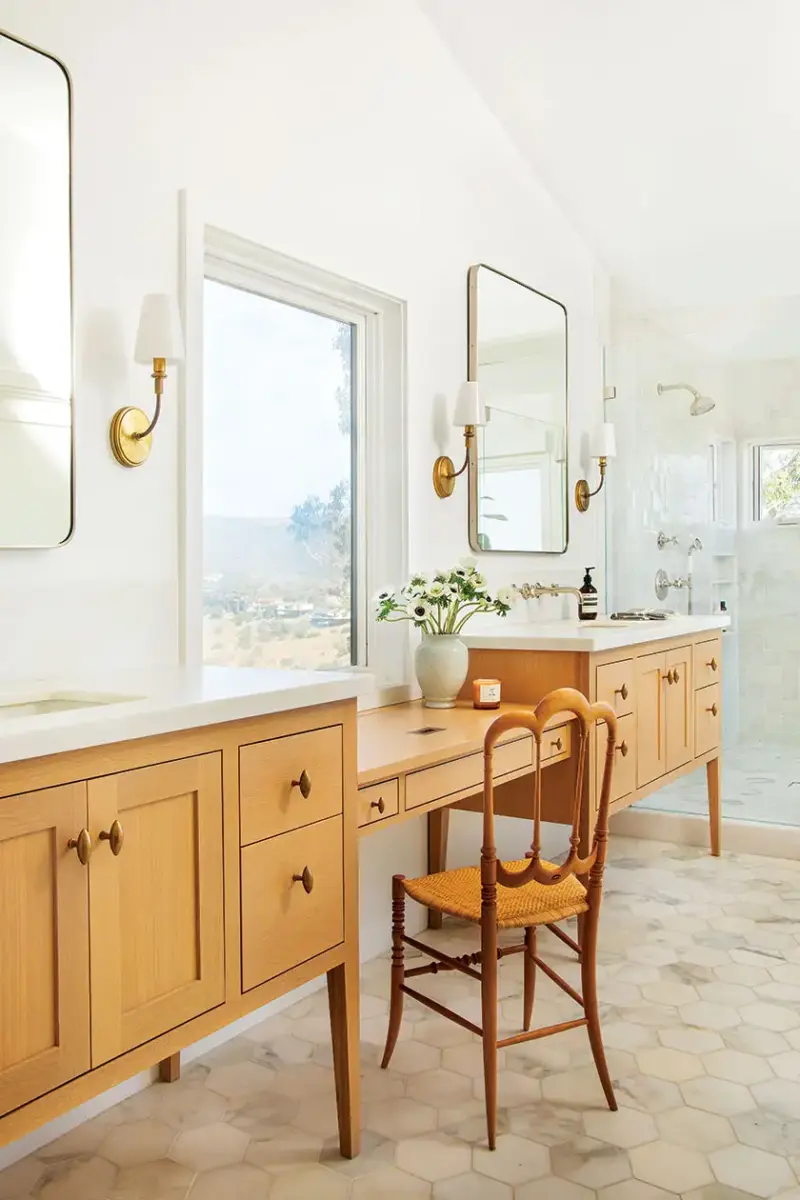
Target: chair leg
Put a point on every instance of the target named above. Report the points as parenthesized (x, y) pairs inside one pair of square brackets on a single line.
[(530, 976), (589, 985), (398, 966), (489, 1023)]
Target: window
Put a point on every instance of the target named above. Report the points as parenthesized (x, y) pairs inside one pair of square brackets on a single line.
[(301, 522), (776, 475)]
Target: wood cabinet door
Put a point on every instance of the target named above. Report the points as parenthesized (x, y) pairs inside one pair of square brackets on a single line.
[(156, 905), (44, 944), (651, 756), (679, 709)]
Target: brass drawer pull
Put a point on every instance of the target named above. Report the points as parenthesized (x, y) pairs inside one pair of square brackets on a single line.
[(622, 748), (304, 783), (307, 880), (82, 844), (670, 676), (675, 676), (713, 710), (712, 664), (379, 804), (558, 745), (115, 836), (623, 691)]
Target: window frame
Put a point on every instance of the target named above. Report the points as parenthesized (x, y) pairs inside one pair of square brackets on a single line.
[(379, 468), (754, 448)]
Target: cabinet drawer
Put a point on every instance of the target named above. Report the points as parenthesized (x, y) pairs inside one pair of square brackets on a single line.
[(556, 743), (623, 778), (707, 719), (270, 774), (378, 802), (707, 662), (614, 686), (467, 772), (282, 923)]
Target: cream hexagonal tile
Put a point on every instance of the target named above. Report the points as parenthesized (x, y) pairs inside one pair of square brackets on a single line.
[(747, 976), (240, 1079), (787, 1065), (515, 1161), (289, 1149), (719, 992), (786, 973), (20, 1178), (768, 1130), (209, 1146), (411, 1057), (635, 1189), (513, 1089), (762, 1042), (690, 1040), (240, 1182), (315, 1181), (84, 1139), (471, 1187), (695, 1129), (164, 1178), (676, 1168), (282, 1051), (137, 1142), (621, 1035), (303, 1081), (673, 1065), (439, 1087), (77, 1179), (625, 1128), (433, 1158), (776, 1017), (401, 1117), (467, 1059), (185, 1106), (736, 1066), (755, 1171), (706, 1015), (442, 1033), (780, 1096), (654, 956), (673, 994), (581, 1087), (647, 1093), (553, 1189), (389, 1184), (590, 1163), (547, 1124), (717, 1096)]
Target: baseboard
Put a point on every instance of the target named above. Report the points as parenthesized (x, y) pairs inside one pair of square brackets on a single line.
[(738, 837)]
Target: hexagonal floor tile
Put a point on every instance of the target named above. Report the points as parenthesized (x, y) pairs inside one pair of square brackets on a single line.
[(736, 1066), (515, 1161), (78, 1179), (591, 1163), (625, 1128), (137, 1142), (690, 1040), (718, 1096), (470, 1187), (240, 1079), (675, 1066), (318, 1182), (695, 1129), (779, 1095), (553, 1189), (401, 1117), (21, 1178), (756, 1171), (242, 1182), (209, 1146), (706, 1015), (668, 1166), (439, 1088), (776, 1017), (635, 1189), (388, 1184), (411, 1057), (287, 1150), (433, 1158)]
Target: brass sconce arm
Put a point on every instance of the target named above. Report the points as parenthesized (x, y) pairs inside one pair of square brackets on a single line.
[(159, 340), (582, 493), (444, 471), (130, 427)]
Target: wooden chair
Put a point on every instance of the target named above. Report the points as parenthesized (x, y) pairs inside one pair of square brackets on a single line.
[(517, 895)]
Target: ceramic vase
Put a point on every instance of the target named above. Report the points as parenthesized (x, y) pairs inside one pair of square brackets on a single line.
[(441, 662)]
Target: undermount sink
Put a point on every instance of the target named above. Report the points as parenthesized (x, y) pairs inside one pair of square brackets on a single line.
[(57, 702)]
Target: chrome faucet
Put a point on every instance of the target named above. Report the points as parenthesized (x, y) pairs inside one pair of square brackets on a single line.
[(693, 547), (533, 591), (664, 583)]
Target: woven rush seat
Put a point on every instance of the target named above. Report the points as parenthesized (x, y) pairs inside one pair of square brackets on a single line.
[(458, 893)]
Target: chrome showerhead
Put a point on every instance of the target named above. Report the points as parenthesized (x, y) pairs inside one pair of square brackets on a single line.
[(700, 404)]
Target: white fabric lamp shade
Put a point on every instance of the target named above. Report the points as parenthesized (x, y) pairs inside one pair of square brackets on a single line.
[(470, 409), (160, 334), (604, 442)]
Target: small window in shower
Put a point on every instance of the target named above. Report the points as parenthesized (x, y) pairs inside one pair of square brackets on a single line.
[(776, 478)]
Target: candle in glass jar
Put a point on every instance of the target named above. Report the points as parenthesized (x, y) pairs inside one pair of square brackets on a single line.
[(486, 693)]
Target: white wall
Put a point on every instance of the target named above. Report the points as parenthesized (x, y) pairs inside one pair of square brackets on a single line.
[(342, 134)]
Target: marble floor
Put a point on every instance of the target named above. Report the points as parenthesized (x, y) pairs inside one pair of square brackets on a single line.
[(700, 989), (759, 783)]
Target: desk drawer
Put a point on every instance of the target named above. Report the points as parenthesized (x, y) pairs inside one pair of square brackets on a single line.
[(556, 743), (707, 663), (270, 797), (378, 802), (623, 777), (707, 719), (433, 783), (282, 923), (614, 686)]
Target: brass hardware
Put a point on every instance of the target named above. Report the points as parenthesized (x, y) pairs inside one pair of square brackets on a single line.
[(623, 691), (379, 804), (675, 676), (712, 664), (444, 471), (131, 429), (82, 844), (559, 745), (304, 783), (582, 494), (670, 676), (307, 880), (115, 836), (622, 748), (713, 710)]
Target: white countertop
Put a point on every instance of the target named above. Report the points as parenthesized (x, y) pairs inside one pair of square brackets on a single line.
[(161, 701), (591, 637)]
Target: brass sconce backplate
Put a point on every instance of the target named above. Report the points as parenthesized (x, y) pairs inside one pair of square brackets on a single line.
[(444, 476), (127, 444), (582, 495)]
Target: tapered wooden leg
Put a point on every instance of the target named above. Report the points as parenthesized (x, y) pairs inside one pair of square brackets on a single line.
[(438, 830), (343, 1004), (398, 967), (489, 1023), (169, 1069), (530, 976), (714, 805), (589, 987)]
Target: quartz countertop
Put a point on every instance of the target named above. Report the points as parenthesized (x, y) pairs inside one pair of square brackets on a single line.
[(591, 637), (156, 702)]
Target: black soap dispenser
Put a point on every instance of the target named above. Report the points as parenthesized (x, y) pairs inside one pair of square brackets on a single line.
[(588, 609)]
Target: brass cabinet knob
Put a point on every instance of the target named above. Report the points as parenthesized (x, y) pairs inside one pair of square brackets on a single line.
[(712, 664), (559, 745), (623, 691), (304, 783), (675, 676), (379, 804), (622, 748), (670, 676), (115, 836), (713, 710), (307, 880), (82, 845)]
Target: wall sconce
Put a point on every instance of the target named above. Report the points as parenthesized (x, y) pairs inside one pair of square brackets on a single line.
[(603, 446), (159, 340), (469, 414)]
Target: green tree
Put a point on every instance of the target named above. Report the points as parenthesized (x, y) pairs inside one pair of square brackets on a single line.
[(782, 485), (324, 528)]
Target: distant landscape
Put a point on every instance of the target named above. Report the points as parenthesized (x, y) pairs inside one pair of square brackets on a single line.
[(270, 600)]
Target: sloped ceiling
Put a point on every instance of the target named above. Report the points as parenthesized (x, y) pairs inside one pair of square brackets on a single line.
[(668, 130)]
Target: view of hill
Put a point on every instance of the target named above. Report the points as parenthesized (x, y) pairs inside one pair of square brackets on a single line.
[(250, 549)]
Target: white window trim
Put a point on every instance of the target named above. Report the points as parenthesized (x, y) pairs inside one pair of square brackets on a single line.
[(381, 447), (751, 492)]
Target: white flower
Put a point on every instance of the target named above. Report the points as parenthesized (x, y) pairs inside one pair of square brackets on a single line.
[(507, 596), (435, 590), (419, 611), (478, 585), (468, 564), (382, 597)]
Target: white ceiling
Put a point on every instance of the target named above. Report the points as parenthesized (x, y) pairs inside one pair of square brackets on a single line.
[(668, 130)]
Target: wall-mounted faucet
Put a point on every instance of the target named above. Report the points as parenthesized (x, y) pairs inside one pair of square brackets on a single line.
[(664, 583), (533, 591), (663, 541), (694, 546)]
